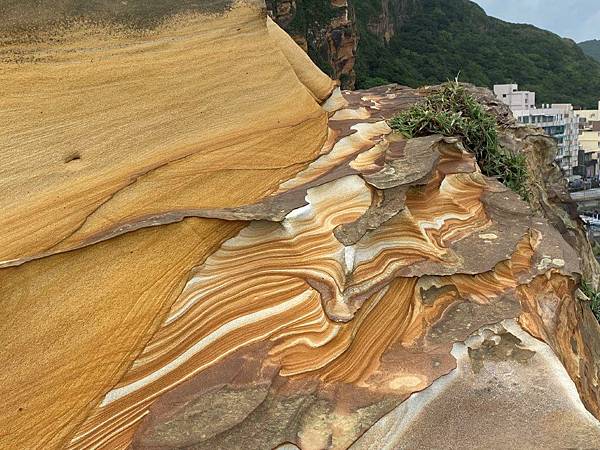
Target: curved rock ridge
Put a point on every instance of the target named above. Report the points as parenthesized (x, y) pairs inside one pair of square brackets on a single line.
[(253, 259), (362, 324)]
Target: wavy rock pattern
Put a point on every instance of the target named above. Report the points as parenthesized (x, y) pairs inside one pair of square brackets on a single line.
[(333, 313), (354, 270)]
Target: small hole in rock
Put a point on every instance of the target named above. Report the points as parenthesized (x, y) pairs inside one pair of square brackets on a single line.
[(73, 157)]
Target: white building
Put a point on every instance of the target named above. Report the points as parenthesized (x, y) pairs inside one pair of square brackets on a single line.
[(590, 141), (515, 99), (558, 120)]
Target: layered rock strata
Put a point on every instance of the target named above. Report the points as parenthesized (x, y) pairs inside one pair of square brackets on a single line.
[(255, 260)]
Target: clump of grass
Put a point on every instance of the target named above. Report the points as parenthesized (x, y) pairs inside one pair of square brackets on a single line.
[(452, 111), (594, 297)]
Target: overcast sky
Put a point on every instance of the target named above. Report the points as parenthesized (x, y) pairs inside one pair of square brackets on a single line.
[(575, 19)]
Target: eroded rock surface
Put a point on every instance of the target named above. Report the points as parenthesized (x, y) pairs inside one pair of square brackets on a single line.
[(507, 388), (267, 265)]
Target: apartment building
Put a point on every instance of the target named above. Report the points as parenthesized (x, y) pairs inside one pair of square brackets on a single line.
[(589, 139), (589, 115), (515, 99), (558, 121)]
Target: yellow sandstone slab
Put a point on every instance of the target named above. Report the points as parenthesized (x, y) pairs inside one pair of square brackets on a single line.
[(72, 323), (99, 119)]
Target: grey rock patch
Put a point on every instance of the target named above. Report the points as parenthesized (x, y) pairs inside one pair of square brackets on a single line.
[(392, 202), (415, 166)]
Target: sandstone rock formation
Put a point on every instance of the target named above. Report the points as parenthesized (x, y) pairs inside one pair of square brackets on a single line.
[(206, 244)]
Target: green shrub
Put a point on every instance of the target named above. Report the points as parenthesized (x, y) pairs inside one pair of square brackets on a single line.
[(594, 297), (452, 111)]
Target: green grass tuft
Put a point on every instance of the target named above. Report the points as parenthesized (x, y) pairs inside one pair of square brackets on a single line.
[(454, 112), (594, 297)]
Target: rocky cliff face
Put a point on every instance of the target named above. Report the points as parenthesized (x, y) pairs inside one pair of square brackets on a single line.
[(199, 257), (329, 30), (325, 29), (388, 16)]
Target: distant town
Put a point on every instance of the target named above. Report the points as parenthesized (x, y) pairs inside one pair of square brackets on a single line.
[(577, 133)]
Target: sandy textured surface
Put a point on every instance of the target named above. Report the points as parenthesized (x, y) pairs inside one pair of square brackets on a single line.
[(106, 125)]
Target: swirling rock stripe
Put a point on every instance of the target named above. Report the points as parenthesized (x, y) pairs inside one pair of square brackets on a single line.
[(215, 315), (278, 281)]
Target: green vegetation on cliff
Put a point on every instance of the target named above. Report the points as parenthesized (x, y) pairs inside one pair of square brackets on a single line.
[(426, 42), (594, 297), (591, 48), (434, 40), (452, 111)]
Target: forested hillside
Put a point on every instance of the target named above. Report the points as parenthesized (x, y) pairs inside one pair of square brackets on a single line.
[(435, 40), (418, 42), (591, 48)]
